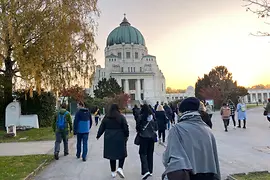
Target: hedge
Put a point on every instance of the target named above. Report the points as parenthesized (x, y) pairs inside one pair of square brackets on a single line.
[(43, 105)]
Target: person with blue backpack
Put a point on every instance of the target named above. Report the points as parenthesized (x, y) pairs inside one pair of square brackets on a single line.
[(62, 125), (82, 126)]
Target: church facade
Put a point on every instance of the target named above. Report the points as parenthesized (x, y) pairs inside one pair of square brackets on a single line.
[(128, 61)]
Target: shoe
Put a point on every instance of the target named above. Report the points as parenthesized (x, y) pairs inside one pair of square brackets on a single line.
[(239, 126), (226, 130), (244, 128), (146, 175), (83, 159), (56, 156), (234, 127), (159, 141), (113, 174), (120, 172), (65, 154), (78, 157), (151, 174)]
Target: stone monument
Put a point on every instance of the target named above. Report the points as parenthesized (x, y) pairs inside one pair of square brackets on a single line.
[(14, 117)]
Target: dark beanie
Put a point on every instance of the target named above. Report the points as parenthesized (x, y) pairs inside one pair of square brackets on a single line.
[(189, 104)]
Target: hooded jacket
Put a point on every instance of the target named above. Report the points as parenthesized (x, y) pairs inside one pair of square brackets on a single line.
[(82, 121)]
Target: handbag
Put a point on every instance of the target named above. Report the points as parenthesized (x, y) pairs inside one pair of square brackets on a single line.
[(137, 140)]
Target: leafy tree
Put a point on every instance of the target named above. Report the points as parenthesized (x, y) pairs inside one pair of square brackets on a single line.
[(76, 93), (107, 88), (169, 90), (212, 93), (218, 85), (46, 43)]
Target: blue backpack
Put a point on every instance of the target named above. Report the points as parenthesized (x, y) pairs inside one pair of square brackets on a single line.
[(61, 121)]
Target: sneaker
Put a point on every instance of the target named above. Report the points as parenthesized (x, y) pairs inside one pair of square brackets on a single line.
[(56, 156), (146, 175), (151, 174), (120, 172), (113, 174), (159, 141)]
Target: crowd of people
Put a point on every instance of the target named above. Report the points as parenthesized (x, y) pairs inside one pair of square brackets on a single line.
[(190, 136)]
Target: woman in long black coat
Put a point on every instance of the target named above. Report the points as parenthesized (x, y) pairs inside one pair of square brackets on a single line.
[(162, 121), (116, 135)]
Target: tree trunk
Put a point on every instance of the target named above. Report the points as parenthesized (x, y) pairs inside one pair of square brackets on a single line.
[(8, 76)]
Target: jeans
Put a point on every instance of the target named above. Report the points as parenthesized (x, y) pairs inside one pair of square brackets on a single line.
[(113, 164), (59, 136), (82, 138), (161, 132), (146, 152), (96, 120), (226, 122), (169, 125)]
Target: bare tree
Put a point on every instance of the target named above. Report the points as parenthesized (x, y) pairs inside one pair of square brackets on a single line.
[(262, 9)]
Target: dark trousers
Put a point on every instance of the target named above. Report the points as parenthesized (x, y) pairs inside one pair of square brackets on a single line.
[(82, 138), (161, 132), (210, 116), (113, 164), (146, 152), (233, 119), (226, 122), (59, 136), (268, 118), (96, 120), (239, 123)]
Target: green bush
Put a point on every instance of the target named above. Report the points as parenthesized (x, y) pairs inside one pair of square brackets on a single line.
[(43, 105)]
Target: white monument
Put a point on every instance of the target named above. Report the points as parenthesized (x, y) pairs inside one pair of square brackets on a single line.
[(14, 117)]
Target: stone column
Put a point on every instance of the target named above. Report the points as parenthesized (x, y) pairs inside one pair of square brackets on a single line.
[(257, 97), (126, 86), (138, 89)]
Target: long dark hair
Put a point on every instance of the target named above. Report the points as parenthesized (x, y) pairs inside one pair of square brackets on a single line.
[(114, 112), (146, 111)]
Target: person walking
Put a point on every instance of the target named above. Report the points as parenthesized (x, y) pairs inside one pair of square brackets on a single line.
[(205, 116), (241, 113), (136, 112), (187, 141), (82, 126), (232, 107), (168, 112), (209, 110), (146, 128), (116, 133), (267, 109), (62, 125), (162, 121), (97, 115), (225, 113)]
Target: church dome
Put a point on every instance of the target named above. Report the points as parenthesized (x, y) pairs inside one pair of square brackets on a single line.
[(125, 33)]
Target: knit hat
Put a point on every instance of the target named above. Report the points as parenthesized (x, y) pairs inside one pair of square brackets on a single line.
[(189, 104)]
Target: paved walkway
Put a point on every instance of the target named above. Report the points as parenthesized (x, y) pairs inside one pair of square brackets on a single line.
[(239, 151), (25, 148)]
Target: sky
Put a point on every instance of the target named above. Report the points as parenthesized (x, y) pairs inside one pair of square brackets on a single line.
[(190, 37)]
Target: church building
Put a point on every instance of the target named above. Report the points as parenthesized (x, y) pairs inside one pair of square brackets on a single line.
[(128, 61)]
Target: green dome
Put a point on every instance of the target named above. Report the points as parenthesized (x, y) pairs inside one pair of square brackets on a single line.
[(125, 33)]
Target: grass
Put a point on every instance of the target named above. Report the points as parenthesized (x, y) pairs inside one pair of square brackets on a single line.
[(253, 176), (250, 106), (41, 134), (19, 167)]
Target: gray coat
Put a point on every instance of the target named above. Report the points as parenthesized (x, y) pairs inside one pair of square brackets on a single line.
[(116, 133)]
